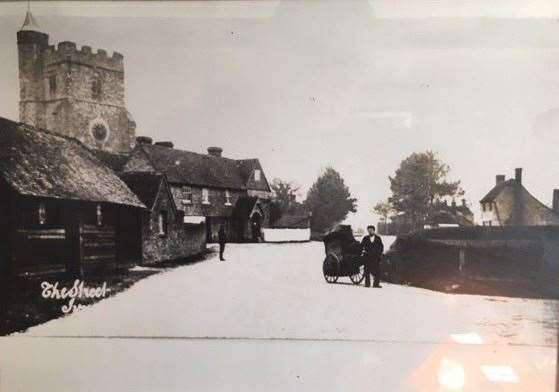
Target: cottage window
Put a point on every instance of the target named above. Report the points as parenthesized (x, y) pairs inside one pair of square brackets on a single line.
[(186, 195), (162, 223), (99, 214), (257, 175), (227, 198), (205, 196), (42, 213), (483, 207), (490, 205), (52, 84), (96, 89)]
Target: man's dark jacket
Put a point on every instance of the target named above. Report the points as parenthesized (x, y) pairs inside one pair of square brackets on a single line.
[(372, 249), (222, 237)]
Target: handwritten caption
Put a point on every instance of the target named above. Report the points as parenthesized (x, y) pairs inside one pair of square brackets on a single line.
[(77, 291)]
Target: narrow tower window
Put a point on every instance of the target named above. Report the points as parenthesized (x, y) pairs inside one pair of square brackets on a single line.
[(52, 84), (96, 89)]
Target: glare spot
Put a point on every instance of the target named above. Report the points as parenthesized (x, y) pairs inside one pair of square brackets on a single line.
[(500, 374), (451, 375), (467, 338)]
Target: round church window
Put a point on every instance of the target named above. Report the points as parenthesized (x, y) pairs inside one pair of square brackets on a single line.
[(99, 132)]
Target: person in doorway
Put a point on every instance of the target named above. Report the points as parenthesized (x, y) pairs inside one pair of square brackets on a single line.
[(372, 249), (222, 239)]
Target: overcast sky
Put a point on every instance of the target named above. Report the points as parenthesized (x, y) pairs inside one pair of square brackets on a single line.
[(356, 85)]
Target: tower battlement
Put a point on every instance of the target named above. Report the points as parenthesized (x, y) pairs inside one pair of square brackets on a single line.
[(68, 51), (74, 91)]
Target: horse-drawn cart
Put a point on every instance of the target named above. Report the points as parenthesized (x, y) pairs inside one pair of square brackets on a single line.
[(343, 256)]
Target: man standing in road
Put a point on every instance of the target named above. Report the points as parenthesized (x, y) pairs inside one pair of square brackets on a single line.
[(222, 238), (372, 249)]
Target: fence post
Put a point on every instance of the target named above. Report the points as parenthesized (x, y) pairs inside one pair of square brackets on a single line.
[(462, 259)]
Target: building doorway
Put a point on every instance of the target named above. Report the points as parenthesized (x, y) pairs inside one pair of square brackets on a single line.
[(208, 230), (256, 227)]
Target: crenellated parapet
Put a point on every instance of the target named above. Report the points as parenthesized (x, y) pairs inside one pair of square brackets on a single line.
[(73, 91), (68, 51)]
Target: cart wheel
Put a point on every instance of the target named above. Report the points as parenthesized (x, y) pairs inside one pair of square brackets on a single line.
[(331, 279), (358, 276), (331, 263)]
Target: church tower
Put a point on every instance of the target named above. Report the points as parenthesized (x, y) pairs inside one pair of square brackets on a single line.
[(73, 92)]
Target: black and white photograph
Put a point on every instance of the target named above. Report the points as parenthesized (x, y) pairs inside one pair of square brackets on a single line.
[(279, 195)]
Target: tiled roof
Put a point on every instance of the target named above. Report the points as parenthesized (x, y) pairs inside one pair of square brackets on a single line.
[(114, 161), (247, 167), (145, 185), (186, 167), (39, 163), (519, 213), (497, 189)]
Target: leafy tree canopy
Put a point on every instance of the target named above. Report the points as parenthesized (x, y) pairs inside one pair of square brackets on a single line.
[(285, 195), (329, 200), (418, 184)]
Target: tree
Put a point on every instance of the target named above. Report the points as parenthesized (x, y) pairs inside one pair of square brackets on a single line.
[(284, 191), (329, 201), (418, 184), (384, 209), (285, 194)]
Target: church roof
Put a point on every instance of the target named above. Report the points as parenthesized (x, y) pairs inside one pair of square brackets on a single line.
[(114, 161), (29, 24), (186, 167), (39, 163)]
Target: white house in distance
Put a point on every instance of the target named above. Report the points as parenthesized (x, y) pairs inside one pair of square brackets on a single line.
[(510, 204)]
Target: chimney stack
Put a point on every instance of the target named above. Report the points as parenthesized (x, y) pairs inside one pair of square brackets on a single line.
[(144, 140), (518, 175), (215, 151), (165, 144), (453, 203), (500, 178), (556, 201), (463, 202)]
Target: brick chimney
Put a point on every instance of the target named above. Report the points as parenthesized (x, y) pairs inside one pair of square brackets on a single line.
[(464, 203), (500, 178), (215, 151), (518, 175), (165, 144), (556, 201), (144, 140)]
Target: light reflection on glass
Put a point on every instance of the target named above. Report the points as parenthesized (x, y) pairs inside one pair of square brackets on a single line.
[(467, 338), (504, 374), (451, 375)]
